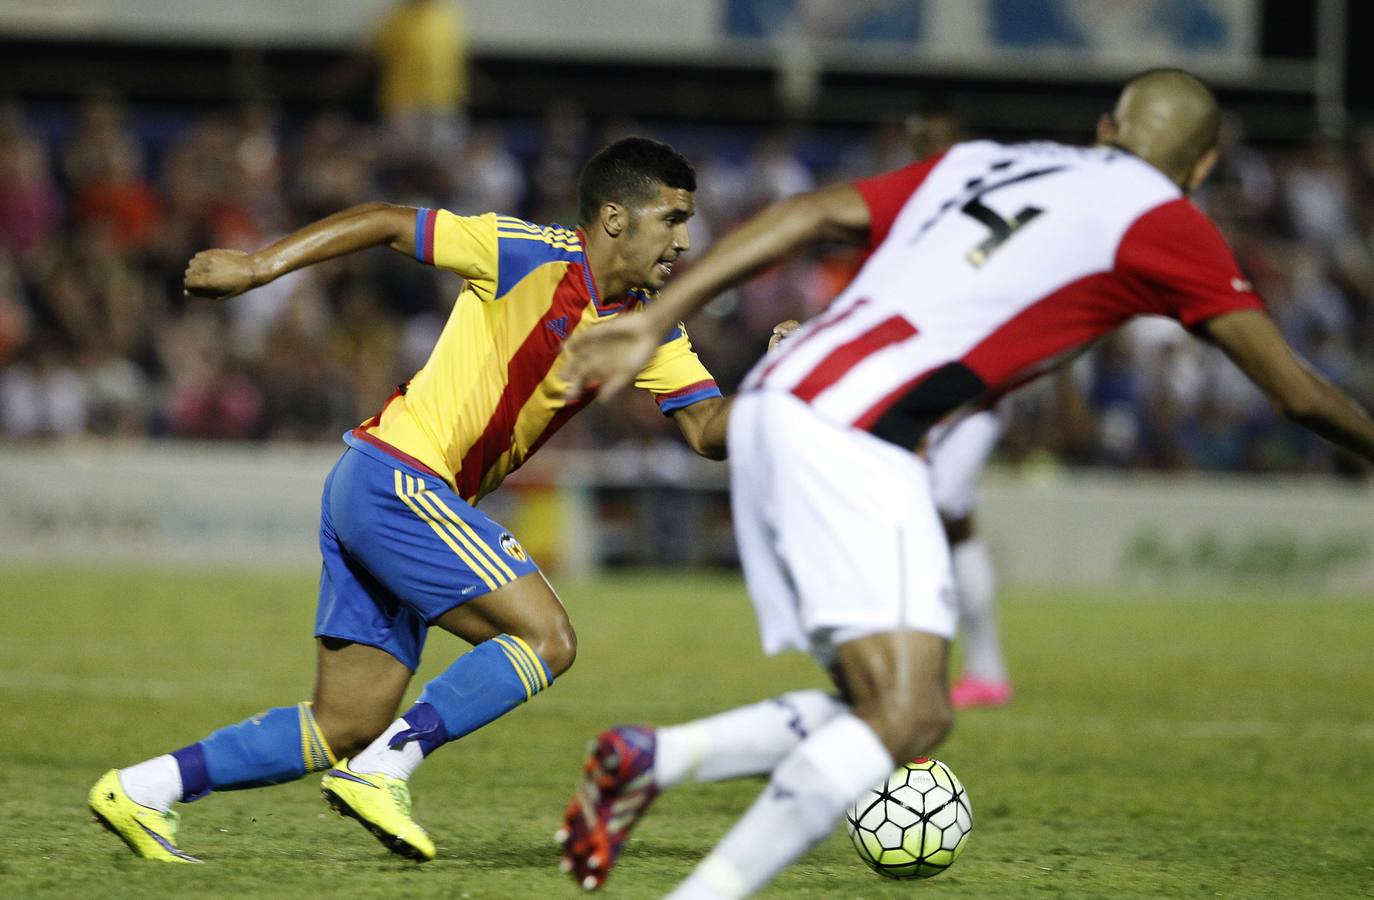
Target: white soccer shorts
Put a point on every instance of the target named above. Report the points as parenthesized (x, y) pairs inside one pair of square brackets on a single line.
[(957, 453), (836, 529)]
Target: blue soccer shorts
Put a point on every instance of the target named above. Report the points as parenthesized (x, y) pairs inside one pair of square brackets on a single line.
[(401, 549)]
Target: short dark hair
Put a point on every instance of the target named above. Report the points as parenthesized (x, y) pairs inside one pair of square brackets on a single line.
[(630, 172)]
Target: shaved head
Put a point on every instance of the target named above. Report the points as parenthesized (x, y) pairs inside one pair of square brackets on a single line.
[(1168, 118)]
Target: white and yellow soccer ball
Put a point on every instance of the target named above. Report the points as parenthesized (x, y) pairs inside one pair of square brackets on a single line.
[(915, 824)]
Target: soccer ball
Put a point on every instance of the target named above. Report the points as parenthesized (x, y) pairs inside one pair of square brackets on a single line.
[(915, 824)]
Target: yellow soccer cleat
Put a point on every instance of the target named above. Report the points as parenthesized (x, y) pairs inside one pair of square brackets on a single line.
[(382, 805), (150, 833)]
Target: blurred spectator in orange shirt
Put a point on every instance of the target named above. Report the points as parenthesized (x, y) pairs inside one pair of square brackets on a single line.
[(115, 194)]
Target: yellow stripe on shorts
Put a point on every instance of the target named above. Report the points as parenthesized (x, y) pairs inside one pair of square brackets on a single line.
[(464, 534), (491, 554), (439, 530)]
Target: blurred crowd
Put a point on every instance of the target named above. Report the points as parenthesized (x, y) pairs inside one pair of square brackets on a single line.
[(99, 214)]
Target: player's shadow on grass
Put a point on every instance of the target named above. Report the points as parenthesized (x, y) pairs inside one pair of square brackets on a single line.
[(496, 854), (502, 855)]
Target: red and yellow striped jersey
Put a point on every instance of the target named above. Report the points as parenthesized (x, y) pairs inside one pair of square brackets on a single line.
[(488, 396)]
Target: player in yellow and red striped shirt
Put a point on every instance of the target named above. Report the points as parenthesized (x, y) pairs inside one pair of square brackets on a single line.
[(487, 397), (404, 547)]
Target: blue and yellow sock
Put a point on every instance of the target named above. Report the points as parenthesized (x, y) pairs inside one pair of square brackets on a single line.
[(481, 686), (273, 747)]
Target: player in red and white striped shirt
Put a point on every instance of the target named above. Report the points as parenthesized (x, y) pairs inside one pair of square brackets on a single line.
[(989, 265)]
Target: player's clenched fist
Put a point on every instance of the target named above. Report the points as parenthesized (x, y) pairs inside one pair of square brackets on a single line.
[(219, 274)]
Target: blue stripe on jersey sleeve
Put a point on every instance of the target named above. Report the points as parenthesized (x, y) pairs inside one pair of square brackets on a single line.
[(425, 220), (682, 401), (523, 247)]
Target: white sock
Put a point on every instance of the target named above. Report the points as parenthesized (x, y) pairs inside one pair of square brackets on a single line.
[(379, 757), (806, 796), (750, 740), (976, 581), (154, 783)]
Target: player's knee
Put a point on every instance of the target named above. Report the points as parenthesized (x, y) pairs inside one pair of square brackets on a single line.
[(556, 645), (560, 651)]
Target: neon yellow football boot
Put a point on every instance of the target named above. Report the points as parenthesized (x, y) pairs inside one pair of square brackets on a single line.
[(381, 804), (150, 833)]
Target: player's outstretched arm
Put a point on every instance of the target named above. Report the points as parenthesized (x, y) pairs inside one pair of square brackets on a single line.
[(607, 357), (1253, 342), (837, 214), (220, 274), (706, 424)]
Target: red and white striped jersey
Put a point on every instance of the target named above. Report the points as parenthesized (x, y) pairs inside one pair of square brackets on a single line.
[(988, 265)]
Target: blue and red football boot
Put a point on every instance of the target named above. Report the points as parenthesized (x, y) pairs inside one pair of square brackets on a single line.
[(616, 789)]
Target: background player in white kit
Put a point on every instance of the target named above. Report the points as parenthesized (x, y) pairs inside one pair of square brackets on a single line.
[(957, 452), (989, 265)]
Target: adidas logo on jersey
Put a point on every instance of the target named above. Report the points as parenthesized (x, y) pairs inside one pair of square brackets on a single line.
[(558, 326)]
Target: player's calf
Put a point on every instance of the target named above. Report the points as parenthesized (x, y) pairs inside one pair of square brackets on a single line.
[(805, 797), (557, 649)]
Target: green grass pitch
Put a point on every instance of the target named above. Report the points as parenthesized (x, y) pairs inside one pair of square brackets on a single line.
[(1168, 745)]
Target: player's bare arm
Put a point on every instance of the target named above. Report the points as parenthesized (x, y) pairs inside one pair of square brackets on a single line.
[(704, 425), (220, 274), (1253, 342), (836, 214), (608, 357)]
